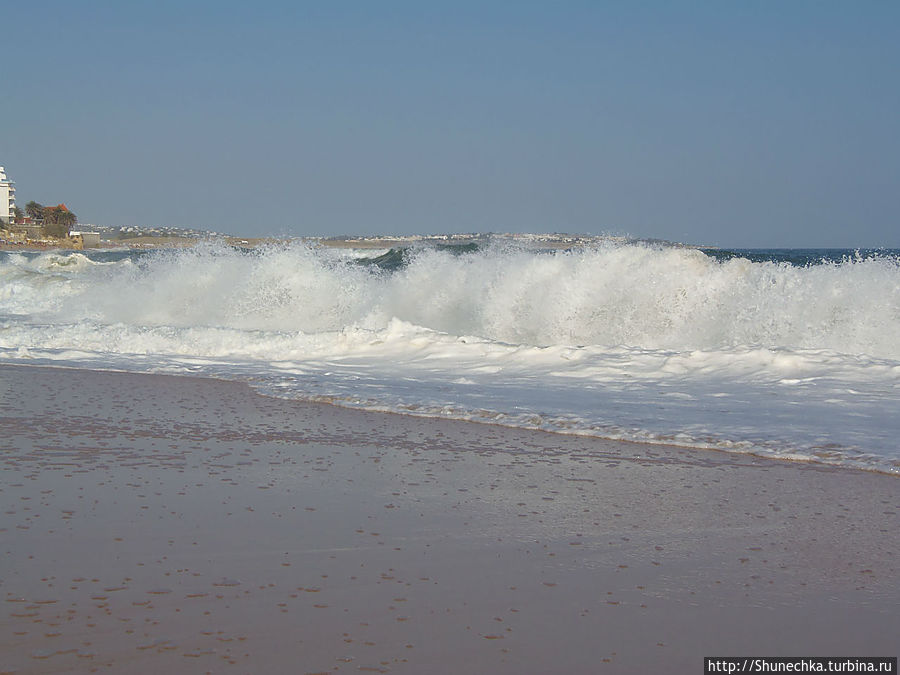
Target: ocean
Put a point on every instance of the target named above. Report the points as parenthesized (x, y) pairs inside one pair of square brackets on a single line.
[(791, 354)]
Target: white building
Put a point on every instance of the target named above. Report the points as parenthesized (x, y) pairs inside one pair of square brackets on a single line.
[(7, 198)]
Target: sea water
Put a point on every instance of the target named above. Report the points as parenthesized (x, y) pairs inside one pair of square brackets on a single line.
[(793, 354)]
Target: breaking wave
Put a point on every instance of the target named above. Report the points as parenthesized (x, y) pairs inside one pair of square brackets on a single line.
[(639, 296), (780, 354)]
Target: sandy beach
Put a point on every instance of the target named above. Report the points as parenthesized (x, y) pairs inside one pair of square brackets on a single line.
[(157, 523)]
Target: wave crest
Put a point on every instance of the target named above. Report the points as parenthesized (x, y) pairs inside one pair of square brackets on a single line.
[(612, 295)]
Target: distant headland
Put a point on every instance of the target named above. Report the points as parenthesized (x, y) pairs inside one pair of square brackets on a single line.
[(34, 236), (40, 227)]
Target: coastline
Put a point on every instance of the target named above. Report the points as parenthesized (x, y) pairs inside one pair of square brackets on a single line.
[(548, 242), (124, 245), (157, 522)]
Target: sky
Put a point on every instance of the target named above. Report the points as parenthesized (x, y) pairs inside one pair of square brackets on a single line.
[(740, 124)]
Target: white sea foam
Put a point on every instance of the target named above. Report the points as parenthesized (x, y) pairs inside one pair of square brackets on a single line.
[(625, 341)]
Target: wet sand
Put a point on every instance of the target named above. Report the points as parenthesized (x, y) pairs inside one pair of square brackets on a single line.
[(156, 523)]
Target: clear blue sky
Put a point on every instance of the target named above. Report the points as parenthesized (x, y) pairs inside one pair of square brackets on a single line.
[(732, 123)]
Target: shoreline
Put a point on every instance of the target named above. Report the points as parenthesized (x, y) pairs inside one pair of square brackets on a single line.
[(586, 434), (159, 521), (549, 242)]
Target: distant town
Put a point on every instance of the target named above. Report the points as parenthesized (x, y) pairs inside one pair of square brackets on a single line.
[(38, 226), (30, 236)]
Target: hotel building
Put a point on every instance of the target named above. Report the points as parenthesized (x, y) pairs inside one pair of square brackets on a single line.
[(7, 198)]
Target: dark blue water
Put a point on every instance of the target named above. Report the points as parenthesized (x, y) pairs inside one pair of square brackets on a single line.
[(399, 257), (804, 257)]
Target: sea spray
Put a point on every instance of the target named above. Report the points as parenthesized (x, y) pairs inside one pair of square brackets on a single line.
[(639, 296)]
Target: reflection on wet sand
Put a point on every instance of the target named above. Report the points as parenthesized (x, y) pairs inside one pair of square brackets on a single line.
[(154, 523)]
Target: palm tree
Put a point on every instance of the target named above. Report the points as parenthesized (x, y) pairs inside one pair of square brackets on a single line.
[(34, 210), (58, 220), (68, 219)]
